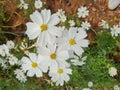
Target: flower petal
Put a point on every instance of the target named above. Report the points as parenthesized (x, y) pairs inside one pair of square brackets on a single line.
[(33, 30), (54, 20), (46, 14), (36, 17)]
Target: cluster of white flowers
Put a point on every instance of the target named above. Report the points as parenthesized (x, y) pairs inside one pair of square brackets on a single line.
[(20, 75), (54, 45), (115, 30), (38, 4), (62, 16), (5, 53), (23, 5)]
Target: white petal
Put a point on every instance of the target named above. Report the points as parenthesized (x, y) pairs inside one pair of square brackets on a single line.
[(81, 34), (78, 50), (33, 57), (36, 17), (55, 31), (64, 55), (33, 30), (83, 43), (72, 32), (112, 4), (38, 73), (44, 51), (54, 20), (41, 39), (30, 73), (46, 14)]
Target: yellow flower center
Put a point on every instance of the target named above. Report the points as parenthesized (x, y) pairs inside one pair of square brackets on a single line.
[(34, 64), (60, 71), (53, 56), (72, 41), (3, 50), (43, 27), (114, 30)]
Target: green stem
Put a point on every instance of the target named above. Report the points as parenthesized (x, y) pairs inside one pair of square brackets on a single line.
[(9, 33)]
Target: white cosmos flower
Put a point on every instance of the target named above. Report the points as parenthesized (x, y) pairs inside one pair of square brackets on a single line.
[(38, 4), (10, 44), (60, 75), (71, 22), (112, 71), (43, 26), (53, 56), (32, 65), (71, 40), (115, 30), (23, 5), (4, 50), (78, 61), (82, 12), (86, 25)]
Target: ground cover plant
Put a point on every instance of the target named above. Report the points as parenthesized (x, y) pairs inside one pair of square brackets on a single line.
[(56, 50)]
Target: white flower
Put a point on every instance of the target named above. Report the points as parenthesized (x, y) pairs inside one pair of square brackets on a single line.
[(60, 75), (3, 63), (71, 40), (61, 15), (38, 4), (23, 5), (86, 89), (78, 61), (63, 18), (20, 75), (116, 87), (4, 50), (104, 24), (90, 84), (32, 65), (82, 12), (112, 4), (60, 12), (86, 25), (71, 22), (10, 44), (115, 30), (53, 56), (43, 27), (12, 60), (112, 71)]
